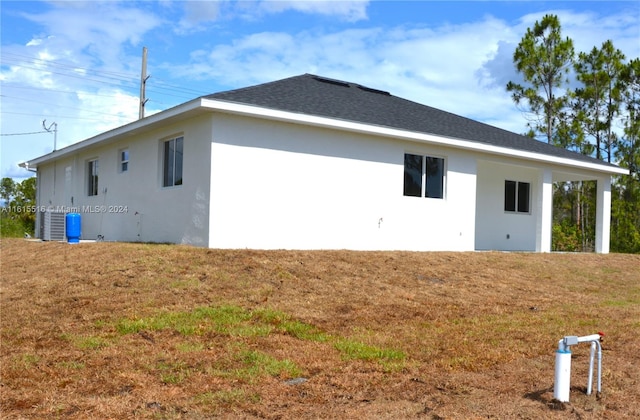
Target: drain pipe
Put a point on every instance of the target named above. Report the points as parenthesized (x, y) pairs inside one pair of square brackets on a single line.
[(562, 380)]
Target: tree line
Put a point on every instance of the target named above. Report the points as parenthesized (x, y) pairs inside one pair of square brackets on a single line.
[(17, 215), (588, 102)]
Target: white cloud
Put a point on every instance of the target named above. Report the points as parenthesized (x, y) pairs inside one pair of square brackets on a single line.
[(435, 66), (351, 11), (461, 68), (200, 15), (197, 14), (92, 32)]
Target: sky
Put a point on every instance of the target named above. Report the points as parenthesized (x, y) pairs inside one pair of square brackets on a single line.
[(74, 67)]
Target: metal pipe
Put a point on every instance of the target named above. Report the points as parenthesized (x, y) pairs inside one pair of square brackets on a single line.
[(599, 367), (591, 357), (586, 338)]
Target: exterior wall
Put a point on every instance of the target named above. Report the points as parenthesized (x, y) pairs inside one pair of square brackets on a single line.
[(495, 228), (277, 185), (133, 205), (258, 183)]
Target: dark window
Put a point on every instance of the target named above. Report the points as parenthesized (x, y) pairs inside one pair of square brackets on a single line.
[(172, 170), (412, 175), (510, 195), (516, 196), (92, 178), (435, 177), (423, 176), (523, 197)]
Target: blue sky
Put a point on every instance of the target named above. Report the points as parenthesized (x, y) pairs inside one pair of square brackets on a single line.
[(78, 63)]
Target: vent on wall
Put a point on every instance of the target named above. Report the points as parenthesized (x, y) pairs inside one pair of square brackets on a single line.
[(53, 226)]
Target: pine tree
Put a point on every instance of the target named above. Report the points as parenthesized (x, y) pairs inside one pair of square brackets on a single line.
[(544, 59)]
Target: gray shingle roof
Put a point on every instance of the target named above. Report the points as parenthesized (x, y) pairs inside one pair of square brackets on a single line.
[(320, 96)]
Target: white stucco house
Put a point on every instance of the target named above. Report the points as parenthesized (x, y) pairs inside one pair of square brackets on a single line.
[(309, 162)]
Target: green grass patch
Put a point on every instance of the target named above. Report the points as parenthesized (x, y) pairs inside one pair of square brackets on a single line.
[(256, 364), (188, 347), (238, 322), (222, 319), (90, 343), (351, 349), (173, 373), (248, 365), (26, 361), (283, 323), (231, 320)]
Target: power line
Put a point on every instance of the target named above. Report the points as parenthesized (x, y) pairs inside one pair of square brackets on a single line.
[(110, 76), (23, 134), (54, 63), (71, 92), (59, 116), (60, 106)]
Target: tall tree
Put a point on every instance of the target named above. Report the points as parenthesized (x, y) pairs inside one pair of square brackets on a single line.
[(628, 150), (625, 208), (544, 59), (18, 217), (7, 189), (597, 103)]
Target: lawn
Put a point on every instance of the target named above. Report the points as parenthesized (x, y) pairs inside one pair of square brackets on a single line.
[(114, 330)]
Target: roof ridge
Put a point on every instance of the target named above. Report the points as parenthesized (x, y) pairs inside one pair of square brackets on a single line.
[(248, 88)]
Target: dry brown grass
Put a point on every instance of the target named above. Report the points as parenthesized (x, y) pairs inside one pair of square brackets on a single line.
[(449, 335)]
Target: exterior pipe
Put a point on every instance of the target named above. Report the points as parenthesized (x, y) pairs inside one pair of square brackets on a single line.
[(562, 377), (591, 357)]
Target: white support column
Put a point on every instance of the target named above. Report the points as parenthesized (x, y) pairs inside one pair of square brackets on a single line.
[(603, 215), (545, 212)]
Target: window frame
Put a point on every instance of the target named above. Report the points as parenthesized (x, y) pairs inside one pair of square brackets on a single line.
[(172, 161), (425, 177), (123, 164), (93, 172), (515, 192)]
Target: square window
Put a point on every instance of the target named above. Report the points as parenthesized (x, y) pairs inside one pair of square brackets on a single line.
[(517, 196), (423, 176)]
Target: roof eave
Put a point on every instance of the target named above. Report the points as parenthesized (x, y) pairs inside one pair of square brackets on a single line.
[(313, 120), (201, 105), (193, 106)]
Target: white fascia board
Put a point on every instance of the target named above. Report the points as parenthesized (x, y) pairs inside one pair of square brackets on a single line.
[(286, 116), (124, 130)]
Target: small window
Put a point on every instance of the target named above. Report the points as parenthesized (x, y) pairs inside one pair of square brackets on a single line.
[(423, 176), (172, 168), (92, 177), (516, 196), (124, 160)]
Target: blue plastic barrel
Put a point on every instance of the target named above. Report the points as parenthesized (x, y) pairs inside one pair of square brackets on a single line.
[(73, 228)]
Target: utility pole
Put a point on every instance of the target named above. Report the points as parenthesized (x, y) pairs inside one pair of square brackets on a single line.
[(55, 132), (143, 83)]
